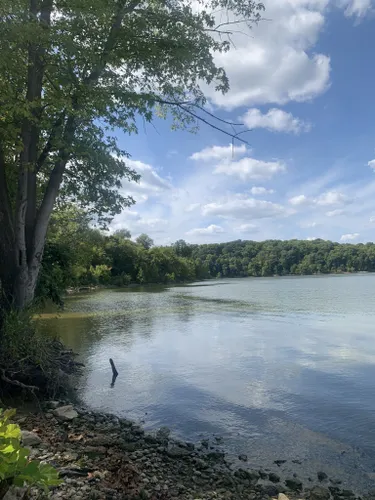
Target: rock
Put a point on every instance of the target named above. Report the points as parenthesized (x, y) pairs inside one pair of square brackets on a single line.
[(274, 478), (15, 493), (52, 405), (177, 451), (163, 433), (100, 441), (347, 494), (294, 484), (270, 489), (205, 443), (282, 497), (319, 493), (65, 413), (95, 450), (243, 458), (322, 476), (262, 474), (30, 438), (279, 462)]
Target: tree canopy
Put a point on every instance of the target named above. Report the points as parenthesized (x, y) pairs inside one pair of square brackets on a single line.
[(79, 255), (73, 73)]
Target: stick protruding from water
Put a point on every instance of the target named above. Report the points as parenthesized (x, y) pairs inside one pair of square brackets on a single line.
[(114, 372)]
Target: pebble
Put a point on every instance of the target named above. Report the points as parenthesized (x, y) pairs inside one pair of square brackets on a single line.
[(30, 438), (117, 453)]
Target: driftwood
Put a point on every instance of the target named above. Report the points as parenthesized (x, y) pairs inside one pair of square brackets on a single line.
[(114, 372)]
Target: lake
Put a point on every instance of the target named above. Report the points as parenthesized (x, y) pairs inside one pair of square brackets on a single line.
[(280, 368)]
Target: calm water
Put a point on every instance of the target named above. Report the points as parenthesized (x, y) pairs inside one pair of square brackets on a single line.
[(282, 368)]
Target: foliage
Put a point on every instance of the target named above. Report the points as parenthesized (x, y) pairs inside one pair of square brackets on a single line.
[(15, 466), (74, 73), (112, 260), (32, 363), (145, 241)]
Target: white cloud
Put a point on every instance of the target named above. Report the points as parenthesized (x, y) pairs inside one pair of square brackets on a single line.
[(203, 231), (298, 200), (275, 120), (349, 237), (331, 198), (218, 153), (371, 164), (151, 183), (372, 219), (259, 190), (244, 208), (356, 8), (276, 64), (192, 207), (250, 168), (246, 228), (311, 238), (335, 213)]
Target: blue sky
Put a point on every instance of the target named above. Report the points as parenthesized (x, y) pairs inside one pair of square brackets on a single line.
[(305, 84)]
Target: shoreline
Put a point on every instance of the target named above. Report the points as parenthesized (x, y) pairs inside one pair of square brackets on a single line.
[(100, 456)]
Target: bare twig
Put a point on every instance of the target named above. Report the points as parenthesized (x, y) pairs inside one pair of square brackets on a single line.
[(17, 383)]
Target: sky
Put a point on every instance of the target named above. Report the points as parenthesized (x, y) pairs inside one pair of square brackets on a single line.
[(304, 83)]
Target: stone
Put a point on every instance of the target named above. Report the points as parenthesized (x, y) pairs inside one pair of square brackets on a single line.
[(322, 476), (274, 478), (279, 462), (30, 438), (294, 484), (242, 457), (270, 489), (262, 474), (347, 494), (52, 405), (319, 493), (95, 450), (177, 451), (65, 413), (282, 497)]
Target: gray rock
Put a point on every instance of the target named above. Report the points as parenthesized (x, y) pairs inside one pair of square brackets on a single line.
[(53, 404), (322, 476), (270, 489), (30, 438), (274, 478), (243, 458), (177, 451), (294, 484), (65, 412), (319, 493)]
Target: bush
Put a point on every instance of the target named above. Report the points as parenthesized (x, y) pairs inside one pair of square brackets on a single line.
[(15, 466), (30, 361)]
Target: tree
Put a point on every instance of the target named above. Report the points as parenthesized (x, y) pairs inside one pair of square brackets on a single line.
[(71, 74), (145, 241), (123, 234)]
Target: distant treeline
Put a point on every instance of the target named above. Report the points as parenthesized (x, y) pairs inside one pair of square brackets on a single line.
[(78, 255)]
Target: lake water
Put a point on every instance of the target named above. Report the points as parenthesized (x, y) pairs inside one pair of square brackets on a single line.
[(281, 368)]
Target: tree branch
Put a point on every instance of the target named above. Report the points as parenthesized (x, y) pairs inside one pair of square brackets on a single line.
[(111, 40), (49, 144)]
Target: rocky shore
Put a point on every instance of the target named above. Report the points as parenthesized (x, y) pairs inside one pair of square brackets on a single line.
[(100, 456)]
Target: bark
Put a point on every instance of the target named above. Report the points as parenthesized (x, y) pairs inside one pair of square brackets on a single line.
[(25, 281), (24, 240)]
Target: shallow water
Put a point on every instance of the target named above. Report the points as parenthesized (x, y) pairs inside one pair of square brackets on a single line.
[(281, 368)]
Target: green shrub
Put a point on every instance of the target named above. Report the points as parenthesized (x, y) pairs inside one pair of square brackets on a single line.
[(15, 466)]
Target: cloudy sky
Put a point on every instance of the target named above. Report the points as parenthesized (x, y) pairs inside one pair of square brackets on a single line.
[(304, 82)]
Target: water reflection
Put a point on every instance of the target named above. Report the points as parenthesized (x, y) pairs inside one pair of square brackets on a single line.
[(258, 361)]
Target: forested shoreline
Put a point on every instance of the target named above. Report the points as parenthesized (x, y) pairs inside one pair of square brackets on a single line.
[(79, 255)]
